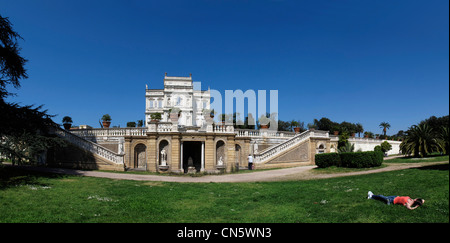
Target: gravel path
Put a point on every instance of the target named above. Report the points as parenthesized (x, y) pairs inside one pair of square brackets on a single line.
[(295, 173)]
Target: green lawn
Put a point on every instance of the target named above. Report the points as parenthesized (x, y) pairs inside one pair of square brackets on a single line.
[(32, 197)]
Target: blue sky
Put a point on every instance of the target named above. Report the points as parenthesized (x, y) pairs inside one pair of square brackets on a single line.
[(356, 61)]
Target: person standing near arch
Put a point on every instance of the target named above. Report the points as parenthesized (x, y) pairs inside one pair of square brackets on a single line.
[(250, 162)]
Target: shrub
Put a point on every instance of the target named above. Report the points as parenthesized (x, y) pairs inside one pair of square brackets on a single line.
[(361, 159), (155, 116), (327, 160), (385, 146), (106, 117), (350, 160), (131, 124), (377, 159)]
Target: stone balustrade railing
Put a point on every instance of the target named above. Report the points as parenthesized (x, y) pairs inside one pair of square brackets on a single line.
[(359, 139), (263, 133), (90, 146), (162, 127), (110, 132), (273, 151)]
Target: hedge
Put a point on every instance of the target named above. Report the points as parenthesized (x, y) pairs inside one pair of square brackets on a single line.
[(350, 160), (327, 160)]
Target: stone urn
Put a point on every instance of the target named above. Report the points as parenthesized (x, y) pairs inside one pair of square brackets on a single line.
[(106, 124)]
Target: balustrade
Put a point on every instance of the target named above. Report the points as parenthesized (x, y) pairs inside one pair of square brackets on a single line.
[(271, 152), (90, 146)]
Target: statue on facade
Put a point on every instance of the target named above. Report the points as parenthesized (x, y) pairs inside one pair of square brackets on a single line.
[(191, 167), (163, 157), (220, 162), (255, 148)]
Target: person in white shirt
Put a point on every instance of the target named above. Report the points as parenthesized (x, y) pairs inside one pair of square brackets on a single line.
[(250, 162)]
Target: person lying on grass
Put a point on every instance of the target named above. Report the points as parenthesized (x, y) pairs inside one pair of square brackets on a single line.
[(406, 201)]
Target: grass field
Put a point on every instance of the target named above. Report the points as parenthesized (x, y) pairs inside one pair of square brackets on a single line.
[(34, 197)]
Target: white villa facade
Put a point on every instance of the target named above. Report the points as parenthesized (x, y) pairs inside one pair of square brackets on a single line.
[(180, 93), (188, 141)]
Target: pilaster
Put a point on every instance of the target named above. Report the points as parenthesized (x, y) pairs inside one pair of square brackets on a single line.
[(231, 153), (128, 152), (175, 161), (209, 153), (151, 153)]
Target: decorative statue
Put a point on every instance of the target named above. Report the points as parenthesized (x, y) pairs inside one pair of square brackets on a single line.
[(220, 162), (255, 148), (163, 157)]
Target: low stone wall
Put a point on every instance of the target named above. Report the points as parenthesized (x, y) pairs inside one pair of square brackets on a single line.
[(368, 144)]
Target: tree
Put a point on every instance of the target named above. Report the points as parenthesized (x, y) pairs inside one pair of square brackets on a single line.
[(67, 120), (24, 130), (385, 146), (284, 126), (347, 148), (325, 124), (25, 133), (385, 126), (140, 123), (343, 140), (359, 129), (436, 122), (368, 134), (348, 127), (419, 141), (11, 63), (131, 124), (442, 140), (400, 134)]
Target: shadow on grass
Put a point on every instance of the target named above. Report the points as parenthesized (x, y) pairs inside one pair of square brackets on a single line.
[(10, 176), (434, 167)]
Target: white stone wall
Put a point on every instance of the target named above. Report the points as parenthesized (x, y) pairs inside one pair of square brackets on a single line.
[(368, 144)]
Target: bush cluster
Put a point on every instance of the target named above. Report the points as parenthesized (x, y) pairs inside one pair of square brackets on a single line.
[(350, 160), (327, 160)]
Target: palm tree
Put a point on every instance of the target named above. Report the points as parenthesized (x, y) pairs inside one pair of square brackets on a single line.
[(442, 140), (385, 126), (419, 141), (359, 129)]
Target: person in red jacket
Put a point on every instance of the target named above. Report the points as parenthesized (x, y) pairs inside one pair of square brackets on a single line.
[(406, 201)]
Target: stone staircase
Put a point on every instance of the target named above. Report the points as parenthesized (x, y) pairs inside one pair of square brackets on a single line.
[(94, 148), (275, 151)]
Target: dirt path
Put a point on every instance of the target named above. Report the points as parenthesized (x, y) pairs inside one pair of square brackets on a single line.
[(310, 174), (295, 173)]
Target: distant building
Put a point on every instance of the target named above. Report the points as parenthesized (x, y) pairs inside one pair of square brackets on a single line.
[(178, 93)]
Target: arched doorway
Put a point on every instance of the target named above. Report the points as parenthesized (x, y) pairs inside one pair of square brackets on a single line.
[(192, 156), (140, 156)]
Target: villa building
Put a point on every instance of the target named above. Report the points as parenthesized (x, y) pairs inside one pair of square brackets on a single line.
[(178, 93), (188, 141)]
